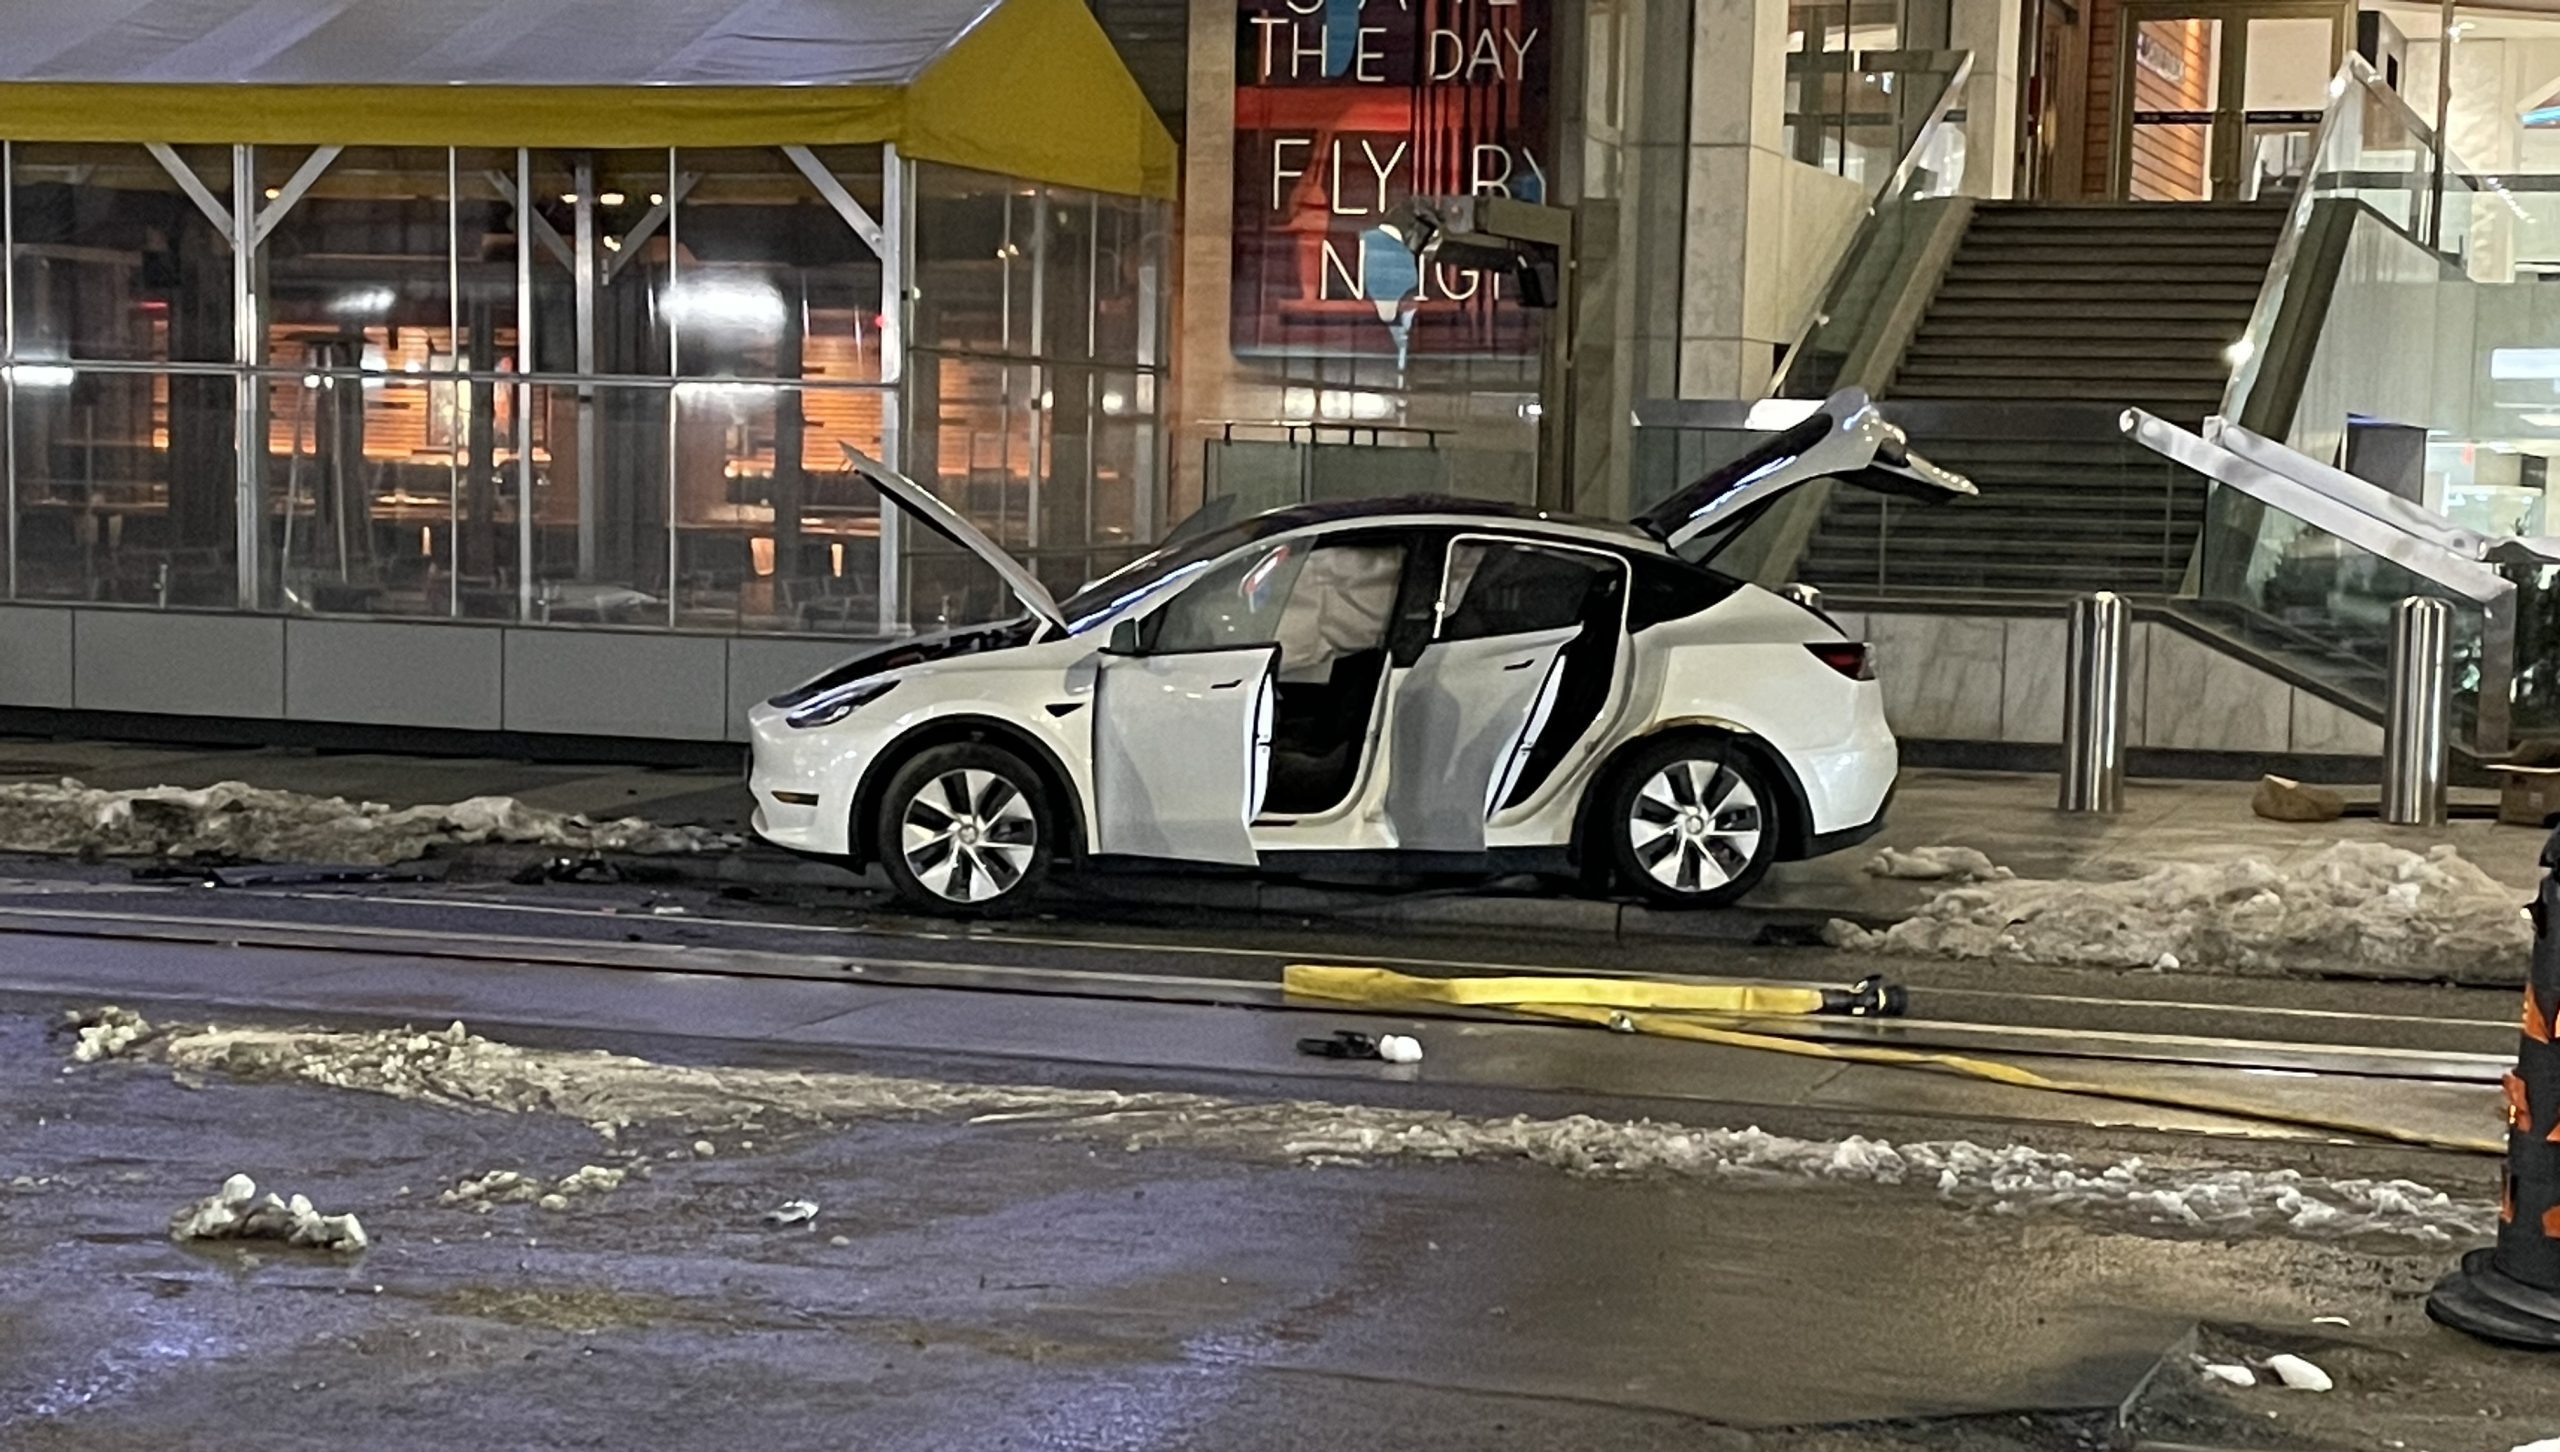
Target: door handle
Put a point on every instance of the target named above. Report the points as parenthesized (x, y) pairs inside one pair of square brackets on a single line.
[(1227, 685), (1521, 665)]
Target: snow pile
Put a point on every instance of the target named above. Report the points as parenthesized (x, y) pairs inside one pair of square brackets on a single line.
[(1937, 864), (109, 1033), (233, 820), (2356, 907), (234, 1213), (457, 1068)]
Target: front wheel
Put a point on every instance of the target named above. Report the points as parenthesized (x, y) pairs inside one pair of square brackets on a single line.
[(966, 829), (1689, 823)]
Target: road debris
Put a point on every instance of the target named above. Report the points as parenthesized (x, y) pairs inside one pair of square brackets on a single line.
[(2282, 799), (462, 1070), (235, 1213), (2227, 1373), (791, 1212), (504, 1187), (1352, 1044), (108, 1033), (234, 822), (1937, 864), (2298, 1374), (704, 1149), (2364, 908)]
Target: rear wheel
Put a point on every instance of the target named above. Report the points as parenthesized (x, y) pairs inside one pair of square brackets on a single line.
[(1689, 823), (966, 829)]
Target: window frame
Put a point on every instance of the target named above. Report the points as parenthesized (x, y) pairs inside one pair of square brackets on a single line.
[(1449, 557)]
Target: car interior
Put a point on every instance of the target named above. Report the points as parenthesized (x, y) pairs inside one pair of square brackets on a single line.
[(1333, 660)]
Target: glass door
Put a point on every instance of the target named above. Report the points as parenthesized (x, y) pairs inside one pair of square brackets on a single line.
[(2218, 102)]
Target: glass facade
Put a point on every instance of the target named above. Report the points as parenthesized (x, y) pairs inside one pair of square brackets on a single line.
[(556, 387)]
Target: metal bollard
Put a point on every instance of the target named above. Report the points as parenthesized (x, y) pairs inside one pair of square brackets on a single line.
[(2093, 705), (2413, 714)]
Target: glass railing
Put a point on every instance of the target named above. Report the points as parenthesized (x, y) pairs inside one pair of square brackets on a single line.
[(2371, 155), (1868, 279), (2068, 504), (2304, 565), (1859, 114), (1248, 468)]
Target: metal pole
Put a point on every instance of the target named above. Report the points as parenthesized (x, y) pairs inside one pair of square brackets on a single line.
[(2413, 714), (2093, 705)]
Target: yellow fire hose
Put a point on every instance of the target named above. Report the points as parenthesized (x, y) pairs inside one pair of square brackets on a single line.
[(1631, 1005)]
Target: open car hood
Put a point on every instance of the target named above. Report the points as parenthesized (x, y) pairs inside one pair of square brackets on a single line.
[(947, 522), (1844, 439)]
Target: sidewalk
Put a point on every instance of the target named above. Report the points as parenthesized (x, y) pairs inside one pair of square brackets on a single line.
[(2009, 816)]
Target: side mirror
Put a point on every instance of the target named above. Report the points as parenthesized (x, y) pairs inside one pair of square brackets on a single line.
[(1124, 639)]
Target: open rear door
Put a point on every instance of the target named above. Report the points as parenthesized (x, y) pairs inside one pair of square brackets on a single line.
[(1465, 713), (1845, 440), (1181, 753)]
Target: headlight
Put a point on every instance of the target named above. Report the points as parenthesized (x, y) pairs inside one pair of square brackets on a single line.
[(837, 704)]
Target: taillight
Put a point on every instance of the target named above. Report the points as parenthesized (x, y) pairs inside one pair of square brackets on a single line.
[(1849, 657)]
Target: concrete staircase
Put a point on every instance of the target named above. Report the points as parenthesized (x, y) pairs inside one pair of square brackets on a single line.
[(2052, 318)]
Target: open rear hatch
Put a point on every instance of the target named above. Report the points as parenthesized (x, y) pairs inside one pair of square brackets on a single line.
[(1844, 439)]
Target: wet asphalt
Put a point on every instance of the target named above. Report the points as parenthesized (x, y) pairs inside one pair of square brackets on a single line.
[(1000, 1288)]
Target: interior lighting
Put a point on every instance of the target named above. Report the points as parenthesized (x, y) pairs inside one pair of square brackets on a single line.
[(730, 304), (610, 199)]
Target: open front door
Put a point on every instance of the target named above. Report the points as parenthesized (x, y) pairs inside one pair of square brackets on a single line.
[(1465, 714), (1181, 747)]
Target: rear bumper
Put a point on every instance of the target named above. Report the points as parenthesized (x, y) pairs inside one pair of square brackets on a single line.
[(1823, 844)]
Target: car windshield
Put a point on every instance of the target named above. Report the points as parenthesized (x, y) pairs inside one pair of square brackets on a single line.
[(1181, 558)]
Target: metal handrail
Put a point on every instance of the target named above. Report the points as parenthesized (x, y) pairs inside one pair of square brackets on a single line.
[(1893, 187), (2467, 578), (2367, 497)]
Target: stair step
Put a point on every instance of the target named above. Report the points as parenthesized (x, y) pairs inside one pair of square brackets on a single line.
[(2113, 278), (2006, 575), (1939, 327), (2041, 502), (2082, 390), (2074, 300), (2162, 214), (2018, 306), (2205, 352), (2146, 254), (1998, 371)]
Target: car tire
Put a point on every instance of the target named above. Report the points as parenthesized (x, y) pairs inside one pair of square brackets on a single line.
[(966, 830), (1688, 823)]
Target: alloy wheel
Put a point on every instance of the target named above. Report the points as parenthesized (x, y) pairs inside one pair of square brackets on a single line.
[(1695, 825), (969, 835)]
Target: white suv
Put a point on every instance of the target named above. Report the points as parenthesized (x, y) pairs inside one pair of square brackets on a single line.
[(1431, 683)]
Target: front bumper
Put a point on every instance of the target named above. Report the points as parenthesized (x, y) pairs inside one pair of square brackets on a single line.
[(802, 785)]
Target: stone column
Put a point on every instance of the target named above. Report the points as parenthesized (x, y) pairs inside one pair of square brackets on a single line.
[(1730, 334), (1204, 362), (1991, 30)]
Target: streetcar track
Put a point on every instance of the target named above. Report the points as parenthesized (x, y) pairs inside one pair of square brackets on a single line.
[(1282, 955), (2269, 1055)]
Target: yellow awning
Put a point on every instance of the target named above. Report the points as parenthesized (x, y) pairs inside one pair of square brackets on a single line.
[(1023, 88)]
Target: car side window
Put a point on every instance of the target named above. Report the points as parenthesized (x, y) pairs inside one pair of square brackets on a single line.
[(1513, 587), (1316, 602)]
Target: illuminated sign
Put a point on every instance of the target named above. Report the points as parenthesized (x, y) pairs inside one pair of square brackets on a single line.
[(1343, 109)]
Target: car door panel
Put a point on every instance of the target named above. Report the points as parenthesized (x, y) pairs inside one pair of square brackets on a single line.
[(1180, 753), (1463, 712)]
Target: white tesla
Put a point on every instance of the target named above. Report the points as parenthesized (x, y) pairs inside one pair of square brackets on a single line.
[(1427, 683)]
